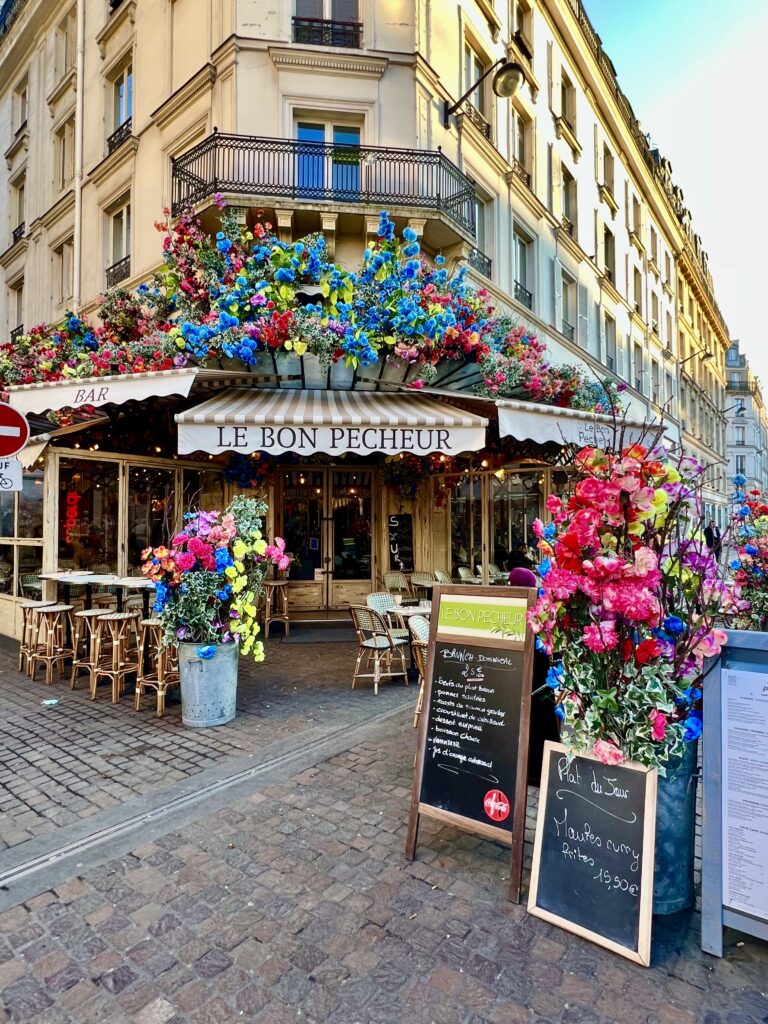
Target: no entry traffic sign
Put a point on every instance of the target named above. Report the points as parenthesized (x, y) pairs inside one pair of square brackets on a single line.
[(14, 430)]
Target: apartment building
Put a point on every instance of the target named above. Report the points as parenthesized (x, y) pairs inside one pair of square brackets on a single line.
[(747, 421), (112, 111)]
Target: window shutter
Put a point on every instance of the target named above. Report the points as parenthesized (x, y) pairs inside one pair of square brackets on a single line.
[(621, 355), (557, 293), (531, 163), (550, 183), (582, 329), (599, 171), (599, 243), (557, 185), (555, 80)]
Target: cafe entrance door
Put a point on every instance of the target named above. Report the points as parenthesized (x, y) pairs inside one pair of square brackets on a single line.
[(326, 519)]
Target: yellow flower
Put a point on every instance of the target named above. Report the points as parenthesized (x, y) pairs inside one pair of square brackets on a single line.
[(260, 547), (239, 584), (673, 477), (299, 347), (239, 549), (239, 565), (230, 572)]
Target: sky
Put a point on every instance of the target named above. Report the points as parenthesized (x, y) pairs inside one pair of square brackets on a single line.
[(695, 74)]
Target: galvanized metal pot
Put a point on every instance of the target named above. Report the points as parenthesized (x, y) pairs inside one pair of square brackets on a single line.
[(208, 685), (673, 887)]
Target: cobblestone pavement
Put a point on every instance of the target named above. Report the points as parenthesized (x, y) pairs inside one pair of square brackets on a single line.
[(295, 904), (66, 763)]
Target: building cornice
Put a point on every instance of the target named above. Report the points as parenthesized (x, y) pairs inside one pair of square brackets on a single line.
[(64, 84), (15, 251), (199, 83), (125, 14), (55, 213), (123, 155), (20, 142), (355, 64)]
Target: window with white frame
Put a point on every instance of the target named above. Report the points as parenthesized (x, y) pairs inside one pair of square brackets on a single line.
[(66, 35), (474, 68), (568, 101), (609, 253), (16, 305), (119, 234), (655, 313), (21, 537), (327, 23), (637, 291), (64, 145), (656, 394), (639, 374), (654, 246), (323, 170), (741, 464), (63, 271), (122, 97), (522, 139), (523, 246), (669, 390), (521, 26), (569, 299), (570, 204), (610, 343), (636, 216), (20, 104), (19, 189), (668, 335), (741, 435), (480, 223), (667, 269)]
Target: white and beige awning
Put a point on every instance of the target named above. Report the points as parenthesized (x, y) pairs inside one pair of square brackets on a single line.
[(48, 396), (531, 421), (292, 420)]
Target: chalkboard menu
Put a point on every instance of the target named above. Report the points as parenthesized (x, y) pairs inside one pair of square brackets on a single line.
[(473, 737), (401, 541), (593, 853)]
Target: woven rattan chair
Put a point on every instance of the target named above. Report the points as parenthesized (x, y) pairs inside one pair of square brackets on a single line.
[(377, 645), (31, 585), (419, 627), (396, 582), (443, 577), (421, 583), (466, 575), (420, 651), (384, 604)]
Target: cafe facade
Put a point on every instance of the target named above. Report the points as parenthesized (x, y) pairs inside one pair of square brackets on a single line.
[(467, 475)]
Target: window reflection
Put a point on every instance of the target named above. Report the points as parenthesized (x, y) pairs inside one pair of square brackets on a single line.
[(466, 523), (150, 510), (30, 511), (303, 498), (88, 508), (351, 511), (516, 501)]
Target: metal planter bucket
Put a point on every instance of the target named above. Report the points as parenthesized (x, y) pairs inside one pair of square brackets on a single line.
[(208, 685), (673, 888)]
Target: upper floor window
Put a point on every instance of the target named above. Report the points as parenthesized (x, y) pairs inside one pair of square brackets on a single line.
[(20, 104), (567, 101), (639, 373), (63, 271), (741, 435), (569, 201), (637, 291), (655, 387), (668, 333), (66, 35), (19, 202), (609, 253), (636, 215), (610, 343), (667, 269), (654, 246), (122, 97), (609, 175), (522, 142), (670, 392), (16, 307), (64, 165), (336, 169), (474, 69), (523, 245), (119, 244), (568, 322), (654, 312), (521, 24), (327, 23)]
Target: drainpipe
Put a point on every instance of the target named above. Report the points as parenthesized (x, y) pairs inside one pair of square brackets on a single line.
[(79, 95)]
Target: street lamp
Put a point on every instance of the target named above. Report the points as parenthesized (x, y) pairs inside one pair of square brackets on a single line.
[(740, 410), (506, 82), (704, 357)]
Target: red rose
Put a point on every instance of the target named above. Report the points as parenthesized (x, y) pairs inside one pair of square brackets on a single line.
[(647, 650)]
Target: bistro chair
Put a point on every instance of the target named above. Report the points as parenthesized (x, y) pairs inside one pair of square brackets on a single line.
[(443, 577), (31, 585), (383, 603), (84, 644), (30, 627), (396, 583), (419, 628), (276, 605), (466, 575), (116, 650), (420, 654), (422, 582), (158, 665), (51, 645), (376, 645)]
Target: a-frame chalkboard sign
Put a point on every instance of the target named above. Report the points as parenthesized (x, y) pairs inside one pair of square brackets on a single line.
[(471, 766), (593, 854)]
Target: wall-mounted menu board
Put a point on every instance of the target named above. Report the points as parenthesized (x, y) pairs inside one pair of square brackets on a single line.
[(473, 739), (400, 528), (593, 853)]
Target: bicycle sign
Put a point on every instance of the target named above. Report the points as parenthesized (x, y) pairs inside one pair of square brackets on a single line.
[(10, 475)]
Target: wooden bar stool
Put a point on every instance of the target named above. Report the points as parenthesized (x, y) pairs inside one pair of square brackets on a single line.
[(54, 625), (276, 605), (120, 629), (161, 675), (29, 630), (84, 644)]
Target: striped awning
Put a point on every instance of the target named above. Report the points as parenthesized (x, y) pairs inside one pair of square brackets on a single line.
[(48, 396), (333, 422), (532, 421)]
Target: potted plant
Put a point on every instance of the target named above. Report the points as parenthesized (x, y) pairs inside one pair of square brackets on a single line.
[(627, 613), (207, 586)]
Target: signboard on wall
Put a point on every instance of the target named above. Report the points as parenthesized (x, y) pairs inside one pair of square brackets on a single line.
[(400, 527), (471, 767), (11, 473)]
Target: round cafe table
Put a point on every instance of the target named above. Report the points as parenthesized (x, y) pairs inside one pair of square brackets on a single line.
[(402, 614), (89, 580)]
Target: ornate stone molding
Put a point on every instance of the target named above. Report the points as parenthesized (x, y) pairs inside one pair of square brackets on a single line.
[(123, 155), (124, 15), (353, 65), (199, 83)]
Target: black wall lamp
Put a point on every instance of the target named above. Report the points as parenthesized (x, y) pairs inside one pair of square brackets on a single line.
[(506, 82)]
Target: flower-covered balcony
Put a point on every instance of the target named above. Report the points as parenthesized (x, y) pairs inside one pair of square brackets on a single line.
[(310, 175)]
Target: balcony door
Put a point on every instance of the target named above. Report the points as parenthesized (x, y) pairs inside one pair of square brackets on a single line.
[(329, 165), (326, 521)]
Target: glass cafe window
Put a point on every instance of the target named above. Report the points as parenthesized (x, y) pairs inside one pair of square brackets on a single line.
[(151, 512), (21, 527), (516, 502), (351, 514), (88, 510), (302, 507), (466, 523), (203, 489)]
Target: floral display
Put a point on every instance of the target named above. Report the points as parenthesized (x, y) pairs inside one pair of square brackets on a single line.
[(207, 581), (627, 605), (251, 472), (243, 297), (750, 562)]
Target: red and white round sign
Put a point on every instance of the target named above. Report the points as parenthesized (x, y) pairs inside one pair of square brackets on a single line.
[(14, 431), (496, 805)]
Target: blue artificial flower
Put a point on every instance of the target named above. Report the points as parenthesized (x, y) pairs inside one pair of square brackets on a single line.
[(693, 693), (692, 727), (439, 260), (206, 652), (674, 624), (539, 644), (739, 480), (744, 510), (555, 676), (559, 712), (409, 234), (734, 564), (751, 549), (550, 531), (545, 566), (284, 275)]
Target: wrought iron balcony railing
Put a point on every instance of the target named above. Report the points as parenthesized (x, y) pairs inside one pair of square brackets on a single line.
[(118, 271), (119, 135), (523, 295), (480, 262), (17, 233), (742, 387), (16, 333), (519, 168), (478, 120), (568, 330), (8, 11), (319, 32), (289, 169), (568, 225)]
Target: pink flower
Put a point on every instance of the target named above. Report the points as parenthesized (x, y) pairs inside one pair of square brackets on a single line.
[(179, 540), (538, 528), (417, 385), (658, 722), (601, 637), (607, 752), (185, 561)]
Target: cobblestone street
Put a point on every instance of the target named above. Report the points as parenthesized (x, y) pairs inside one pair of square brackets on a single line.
[(295, 903)]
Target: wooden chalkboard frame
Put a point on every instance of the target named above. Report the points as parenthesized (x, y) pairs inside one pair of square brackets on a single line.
[(515, 837), (642, 955), (405, 520)]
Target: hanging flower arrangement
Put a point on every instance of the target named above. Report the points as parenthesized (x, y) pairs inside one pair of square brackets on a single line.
[(402, 473), (246, 297), (627, 605), (255, 472)]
